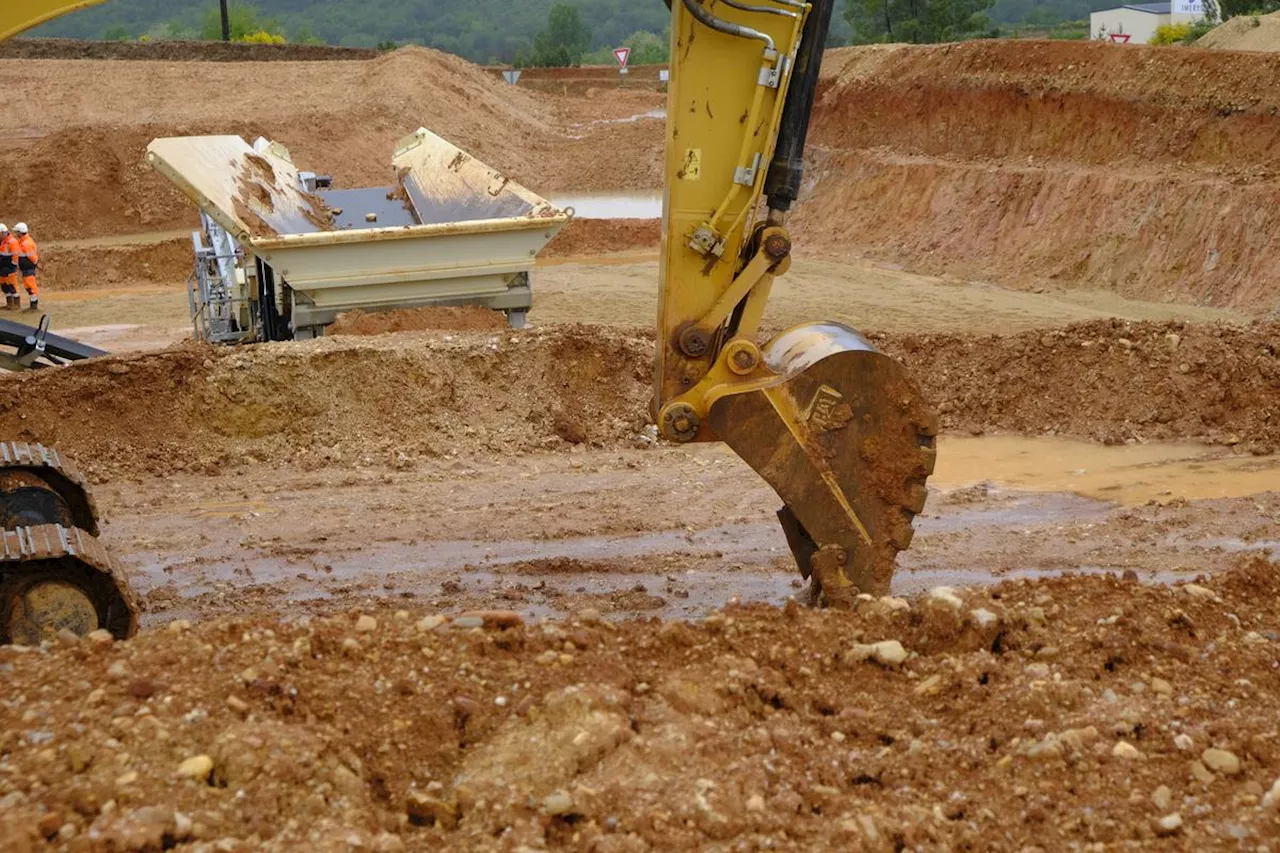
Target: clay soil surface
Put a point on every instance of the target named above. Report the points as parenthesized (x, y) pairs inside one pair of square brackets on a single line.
[(433, 584), (1052, 714)]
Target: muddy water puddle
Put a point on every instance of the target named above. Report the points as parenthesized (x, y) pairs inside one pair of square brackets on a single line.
[(1002, 507), (676, 574), (1125, 474)]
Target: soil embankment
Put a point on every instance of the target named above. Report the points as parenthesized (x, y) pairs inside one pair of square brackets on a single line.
[(73, 158), (346, 401), (1245, 32), (177, 51), (1147, 171)]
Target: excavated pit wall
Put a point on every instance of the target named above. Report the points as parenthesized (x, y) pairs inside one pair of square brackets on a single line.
[(1146, 171)]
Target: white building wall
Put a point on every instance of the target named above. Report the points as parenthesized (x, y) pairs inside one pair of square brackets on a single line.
[(1140, 26)]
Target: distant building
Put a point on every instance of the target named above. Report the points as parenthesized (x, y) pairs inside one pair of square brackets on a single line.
[(1139, 20)]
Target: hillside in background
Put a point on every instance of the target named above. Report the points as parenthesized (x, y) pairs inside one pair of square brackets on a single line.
[(480, 30), (1044, 13), (491, 31)]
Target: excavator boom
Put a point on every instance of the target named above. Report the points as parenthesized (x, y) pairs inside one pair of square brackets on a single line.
[(33, 13), (836, 427)]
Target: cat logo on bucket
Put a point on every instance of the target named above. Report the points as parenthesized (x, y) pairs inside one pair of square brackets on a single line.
[(827, 411)]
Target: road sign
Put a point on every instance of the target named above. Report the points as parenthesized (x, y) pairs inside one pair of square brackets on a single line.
[(622, 54), (512, 77), (1120, 38)]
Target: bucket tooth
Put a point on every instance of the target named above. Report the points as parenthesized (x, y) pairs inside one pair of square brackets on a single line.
[(844, 437)]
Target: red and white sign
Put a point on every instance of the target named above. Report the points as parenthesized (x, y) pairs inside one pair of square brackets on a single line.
[(1120, 38), (622, 54)]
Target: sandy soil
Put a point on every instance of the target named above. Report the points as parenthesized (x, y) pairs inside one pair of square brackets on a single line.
[(73, 167), (396, 399), (1076, 163), (473, 319), (1245, 32)]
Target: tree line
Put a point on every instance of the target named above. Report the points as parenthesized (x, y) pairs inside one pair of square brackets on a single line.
[(563, 32)]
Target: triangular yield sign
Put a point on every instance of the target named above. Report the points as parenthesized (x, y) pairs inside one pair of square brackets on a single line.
[(622, 54)]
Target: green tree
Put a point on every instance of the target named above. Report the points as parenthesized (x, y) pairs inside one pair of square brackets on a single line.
[(476, 29), (563, 41), (117, 33), (917, 21), (1221, 10), (646, 49), (304, 34), (245, 20)]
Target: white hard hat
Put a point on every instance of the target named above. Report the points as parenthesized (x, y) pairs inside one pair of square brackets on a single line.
[(21, 228), (3, 228)]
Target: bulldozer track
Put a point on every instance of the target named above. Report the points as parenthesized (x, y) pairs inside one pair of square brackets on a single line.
[(64, 476), (53, 552)]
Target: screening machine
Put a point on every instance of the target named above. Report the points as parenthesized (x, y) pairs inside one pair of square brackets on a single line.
[(282, 252)]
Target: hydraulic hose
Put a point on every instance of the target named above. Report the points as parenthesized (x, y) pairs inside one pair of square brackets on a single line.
[(786, 172), (720, 25), (767, 10)]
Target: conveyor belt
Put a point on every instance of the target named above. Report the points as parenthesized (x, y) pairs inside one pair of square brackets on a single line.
[(37, 347)]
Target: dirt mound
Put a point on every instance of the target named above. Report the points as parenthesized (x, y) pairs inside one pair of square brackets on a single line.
[(337, 401), (93, 181), (166, 263), (1108, 380), (177, 51), (77, 170), (1078, 163), (362, 323), (605, 236), (1019, 162), (392, 399), (1245, 32), (949, 723)]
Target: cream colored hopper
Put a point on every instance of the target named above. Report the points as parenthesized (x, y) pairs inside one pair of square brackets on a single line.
[(447, 230)]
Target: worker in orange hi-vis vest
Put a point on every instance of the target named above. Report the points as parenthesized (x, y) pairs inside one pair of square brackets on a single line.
[(9, 267), (28, 263)]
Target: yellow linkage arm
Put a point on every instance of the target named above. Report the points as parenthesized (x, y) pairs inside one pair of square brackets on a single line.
[(836, 427), (726, 98), (32, 13)]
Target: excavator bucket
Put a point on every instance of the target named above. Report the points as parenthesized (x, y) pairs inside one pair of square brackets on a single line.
[(845, 439)]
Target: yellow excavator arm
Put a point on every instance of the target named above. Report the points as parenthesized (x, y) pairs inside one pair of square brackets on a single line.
[(32, 13), (836, 427)]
